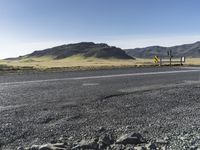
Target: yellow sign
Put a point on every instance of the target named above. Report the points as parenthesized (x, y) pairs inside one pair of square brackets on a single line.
[(156, 59)]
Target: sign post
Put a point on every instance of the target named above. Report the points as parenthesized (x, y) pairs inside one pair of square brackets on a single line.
[(182, 60), (170, 57), (160, 61)]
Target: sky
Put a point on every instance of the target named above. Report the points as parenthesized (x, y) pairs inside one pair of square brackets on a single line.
[(28, 25)]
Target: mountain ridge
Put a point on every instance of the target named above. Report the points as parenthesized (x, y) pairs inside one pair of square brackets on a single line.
[(104, 51), (86, 49), (188, 50)]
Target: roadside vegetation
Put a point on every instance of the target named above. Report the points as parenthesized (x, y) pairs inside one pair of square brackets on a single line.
[(78, 63), (193, 61), (74, 62)]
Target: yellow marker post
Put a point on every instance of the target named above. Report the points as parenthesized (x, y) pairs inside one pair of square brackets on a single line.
[(156, 59)]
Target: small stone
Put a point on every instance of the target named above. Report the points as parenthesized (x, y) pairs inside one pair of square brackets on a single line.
[(20, 148), (60, 140), (182, 138), (150, 125), (70, 138), (101, 129), (105, 141), (59, 145), (129, 147), (87, 144), (162, 142), (46, 147), (198, 137), (198, 148), (131, 138), (128, 127), (152, 146), (140, 148), (193, 148), (50, 147), (166, 138), (53, 141), (145, 132), (35, 147)]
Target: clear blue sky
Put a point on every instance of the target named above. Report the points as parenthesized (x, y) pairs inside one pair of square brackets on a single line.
[(26, 25)]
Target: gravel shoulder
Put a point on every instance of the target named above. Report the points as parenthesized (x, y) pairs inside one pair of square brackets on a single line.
[(171, 112)]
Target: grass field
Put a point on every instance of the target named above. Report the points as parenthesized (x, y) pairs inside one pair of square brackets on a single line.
[(79, 62), (193, 61), (73, 62)]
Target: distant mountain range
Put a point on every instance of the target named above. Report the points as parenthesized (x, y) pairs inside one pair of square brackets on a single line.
[(86, 49), (104, 51), (188, 50)]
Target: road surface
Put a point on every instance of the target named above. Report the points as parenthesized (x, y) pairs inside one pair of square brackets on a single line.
[(39, 107)]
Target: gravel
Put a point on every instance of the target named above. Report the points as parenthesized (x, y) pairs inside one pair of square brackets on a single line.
[(166, 117)]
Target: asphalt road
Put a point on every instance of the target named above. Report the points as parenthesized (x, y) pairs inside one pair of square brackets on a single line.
[(38, 107)]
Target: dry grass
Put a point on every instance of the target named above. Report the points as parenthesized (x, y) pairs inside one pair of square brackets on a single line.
[(193, 61), (2, 62), (189, 61), (79, 62), (74, 62)]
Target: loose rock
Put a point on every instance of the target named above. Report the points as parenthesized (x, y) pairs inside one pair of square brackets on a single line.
[(152, 146), (132, 138), (87, 144), (52, 147), (20, 148), (105, 141), (101, 129), (35, 147)]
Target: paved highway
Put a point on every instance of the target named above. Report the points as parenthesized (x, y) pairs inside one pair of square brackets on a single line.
[(38, 107)]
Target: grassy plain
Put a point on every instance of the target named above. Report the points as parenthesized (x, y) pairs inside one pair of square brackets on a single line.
[(80, 62), (73, 62)]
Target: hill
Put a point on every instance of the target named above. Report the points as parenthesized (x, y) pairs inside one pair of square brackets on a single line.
[(85, 49), (188, 50)]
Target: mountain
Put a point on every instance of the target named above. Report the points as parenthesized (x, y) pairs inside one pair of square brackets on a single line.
[(188, 50), (86, 49)]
